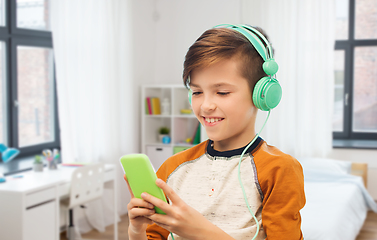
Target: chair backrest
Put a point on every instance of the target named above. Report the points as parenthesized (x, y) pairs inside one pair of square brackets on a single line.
[(86, 184)]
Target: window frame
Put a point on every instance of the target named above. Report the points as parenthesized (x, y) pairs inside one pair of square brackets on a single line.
[(14, 37), (349, 46)]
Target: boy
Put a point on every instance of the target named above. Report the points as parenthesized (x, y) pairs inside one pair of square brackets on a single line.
[(206, 198)]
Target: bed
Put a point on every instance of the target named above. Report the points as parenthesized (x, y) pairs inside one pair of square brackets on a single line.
[(337, 201)]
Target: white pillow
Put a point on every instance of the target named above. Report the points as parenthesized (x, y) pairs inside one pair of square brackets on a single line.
[(326, 164)]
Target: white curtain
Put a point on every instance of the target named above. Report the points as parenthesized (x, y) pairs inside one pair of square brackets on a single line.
[(302, 34), (92, 46)]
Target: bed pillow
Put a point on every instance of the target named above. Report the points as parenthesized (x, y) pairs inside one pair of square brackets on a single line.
[(326, 164)]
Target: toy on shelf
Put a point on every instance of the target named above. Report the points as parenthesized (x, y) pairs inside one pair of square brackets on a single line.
[(186, 111), (165, 107)]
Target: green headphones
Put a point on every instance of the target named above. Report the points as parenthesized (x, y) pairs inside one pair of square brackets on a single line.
[(267, 91)]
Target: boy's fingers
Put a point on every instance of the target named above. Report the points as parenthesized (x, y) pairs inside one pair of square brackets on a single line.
[(160, 220), (173, 197), (141, 212), (139, 203), (156, 202), (128, 185), (168, 191)]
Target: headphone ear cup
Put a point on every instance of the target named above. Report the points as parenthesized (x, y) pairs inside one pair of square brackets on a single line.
[(267, 94), (190, 96), (257, 93)]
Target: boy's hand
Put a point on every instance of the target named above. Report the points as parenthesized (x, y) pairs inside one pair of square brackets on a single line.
[(138, 209), (180, 218)]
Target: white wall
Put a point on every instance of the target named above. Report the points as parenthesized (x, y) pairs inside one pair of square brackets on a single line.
[(165, 29)]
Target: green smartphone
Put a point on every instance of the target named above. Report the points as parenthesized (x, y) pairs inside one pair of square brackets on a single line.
[(141, 177)]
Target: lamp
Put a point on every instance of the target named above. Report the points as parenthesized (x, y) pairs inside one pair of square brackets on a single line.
[(7, 155)]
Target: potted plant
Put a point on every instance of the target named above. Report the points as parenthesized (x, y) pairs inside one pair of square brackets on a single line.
[(162, 132), (38, 163)]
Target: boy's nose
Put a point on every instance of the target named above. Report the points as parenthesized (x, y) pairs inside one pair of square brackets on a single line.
[(208, 105)]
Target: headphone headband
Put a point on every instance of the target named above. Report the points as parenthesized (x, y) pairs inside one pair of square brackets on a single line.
[(254, 37), (269, 47)]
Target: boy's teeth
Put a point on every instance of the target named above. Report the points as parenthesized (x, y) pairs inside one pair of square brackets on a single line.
[(211, 120)]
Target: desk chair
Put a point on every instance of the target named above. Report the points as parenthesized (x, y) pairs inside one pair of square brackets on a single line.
[(86, 186)]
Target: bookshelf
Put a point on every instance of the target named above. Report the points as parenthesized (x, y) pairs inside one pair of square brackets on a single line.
[(182, 126)]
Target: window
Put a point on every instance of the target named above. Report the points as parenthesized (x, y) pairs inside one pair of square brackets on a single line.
[(35, 99), (28, 106), (2, 13), (355, 109), (33, 14), (2, 93)]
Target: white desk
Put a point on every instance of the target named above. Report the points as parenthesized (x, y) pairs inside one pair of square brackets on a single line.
[(29, 206)]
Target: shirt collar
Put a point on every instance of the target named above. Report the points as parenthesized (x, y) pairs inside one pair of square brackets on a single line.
[(212, 152)]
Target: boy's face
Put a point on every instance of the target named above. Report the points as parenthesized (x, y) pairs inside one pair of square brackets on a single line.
[(222, 102)]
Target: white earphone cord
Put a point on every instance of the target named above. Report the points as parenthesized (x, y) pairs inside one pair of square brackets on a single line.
[(239, 176), (240, 181)]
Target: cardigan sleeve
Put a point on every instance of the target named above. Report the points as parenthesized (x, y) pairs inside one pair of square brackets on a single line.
[(155, 232), (282, 182)]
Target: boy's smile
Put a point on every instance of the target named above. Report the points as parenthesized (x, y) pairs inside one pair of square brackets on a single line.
[(211, 121), (222, 102)]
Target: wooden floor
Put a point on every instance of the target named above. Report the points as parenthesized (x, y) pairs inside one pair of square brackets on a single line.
[(368, 232), (109, 232)]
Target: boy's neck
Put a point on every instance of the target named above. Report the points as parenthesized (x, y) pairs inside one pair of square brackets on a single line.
[(231, 144)]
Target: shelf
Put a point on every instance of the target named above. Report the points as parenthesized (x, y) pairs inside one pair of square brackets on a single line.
[(183, 145), (182, 126), (158, 144), (184, 116), (171, 116), (157, 116)]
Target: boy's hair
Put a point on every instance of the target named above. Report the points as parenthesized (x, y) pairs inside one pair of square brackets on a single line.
[(218, 44)]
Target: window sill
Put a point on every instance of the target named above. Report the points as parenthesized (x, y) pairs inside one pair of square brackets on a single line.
[(356, 144)]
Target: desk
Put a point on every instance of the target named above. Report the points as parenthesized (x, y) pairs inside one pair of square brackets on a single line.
[(29, 206)]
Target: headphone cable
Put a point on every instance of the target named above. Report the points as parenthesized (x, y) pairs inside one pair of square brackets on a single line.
[(239, 176)]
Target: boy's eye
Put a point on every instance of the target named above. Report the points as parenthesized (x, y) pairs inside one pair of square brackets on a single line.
[(196, 93), (223, 93)]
